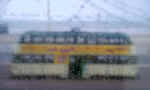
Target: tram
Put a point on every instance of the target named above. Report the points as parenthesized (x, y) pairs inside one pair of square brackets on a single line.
[(74, 54)]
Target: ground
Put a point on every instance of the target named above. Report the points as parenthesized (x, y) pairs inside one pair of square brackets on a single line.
[(6, 83)]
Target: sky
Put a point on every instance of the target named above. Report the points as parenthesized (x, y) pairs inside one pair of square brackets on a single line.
[(62, 10), (65, 9)]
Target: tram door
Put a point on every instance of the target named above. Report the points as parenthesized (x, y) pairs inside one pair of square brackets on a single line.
[(76, 66)]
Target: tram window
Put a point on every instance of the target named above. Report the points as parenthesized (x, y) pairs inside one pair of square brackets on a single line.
[(69, 40), (27, 59), (126, 42), (122, 41), (91, 61), (16, 59), (115, 58), (119, 41), (27, 39), (49, 39), (110, 59), (116, 41), (94, 58), (37, 39), (118, 60), (48, 58), (106, 40), (16, 56), (80, 40), (124, 59), (88, 59), (72, 59), (102, 59), (37, 59), (132, 60), (60, 39), (91, 41), (102, 41), (121, 59), (112, 41), (99, 40), (129, 41)]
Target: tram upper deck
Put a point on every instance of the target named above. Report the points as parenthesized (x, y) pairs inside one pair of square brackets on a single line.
[(75, 38), (75, 43)]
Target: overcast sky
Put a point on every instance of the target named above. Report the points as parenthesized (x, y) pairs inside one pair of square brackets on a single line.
[(64, 9)]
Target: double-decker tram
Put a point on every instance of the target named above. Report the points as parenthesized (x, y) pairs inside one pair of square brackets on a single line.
[(74, 54)]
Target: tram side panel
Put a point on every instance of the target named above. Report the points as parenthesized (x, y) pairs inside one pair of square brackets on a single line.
[(106, 70), (31, 65), (59, 70), (126, 67)]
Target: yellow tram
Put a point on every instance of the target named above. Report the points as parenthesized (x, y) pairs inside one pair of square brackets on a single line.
[(74, 54)]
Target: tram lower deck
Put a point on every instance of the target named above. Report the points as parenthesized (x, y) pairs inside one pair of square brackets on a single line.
[(78, 67)]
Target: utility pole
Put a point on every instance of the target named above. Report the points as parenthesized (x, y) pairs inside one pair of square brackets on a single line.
[(48, 14)]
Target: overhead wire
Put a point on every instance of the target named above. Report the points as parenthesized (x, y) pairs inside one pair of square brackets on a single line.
[(126, 11), (131, 7), (76, 16), (100, 9)]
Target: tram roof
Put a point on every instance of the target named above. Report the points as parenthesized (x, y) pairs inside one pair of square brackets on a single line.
[(78, 33)]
